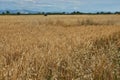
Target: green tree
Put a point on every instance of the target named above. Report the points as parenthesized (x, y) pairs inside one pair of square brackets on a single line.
[(18, 13), (3, 13), (7, 12)]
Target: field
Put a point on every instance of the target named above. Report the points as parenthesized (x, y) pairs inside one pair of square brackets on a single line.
[(60, 47)]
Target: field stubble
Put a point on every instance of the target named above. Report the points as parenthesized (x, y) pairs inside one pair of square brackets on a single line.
[(60, 47)]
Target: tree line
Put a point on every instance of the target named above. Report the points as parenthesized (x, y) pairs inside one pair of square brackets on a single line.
[(55, 13)]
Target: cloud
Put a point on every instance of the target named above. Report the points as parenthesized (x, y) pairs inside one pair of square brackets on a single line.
[(62, 5), (44, 5)]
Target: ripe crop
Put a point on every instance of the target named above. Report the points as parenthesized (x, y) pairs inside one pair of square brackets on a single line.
[(60, 47)]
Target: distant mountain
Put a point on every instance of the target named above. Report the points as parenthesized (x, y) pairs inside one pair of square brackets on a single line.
[(21, 11)]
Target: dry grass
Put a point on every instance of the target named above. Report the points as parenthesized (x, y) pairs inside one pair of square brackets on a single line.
[(60, 47)]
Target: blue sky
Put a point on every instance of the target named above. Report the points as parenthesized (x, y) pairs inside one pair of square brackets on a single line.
[(61, 5)]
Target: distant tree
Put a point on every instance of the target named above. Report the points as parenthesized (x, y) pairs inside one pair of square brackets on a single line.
[(3, 13), (76, 12), (117, 12), (73, 12), (18, 13), (45, 14), (98, 13), (7, 12), (39, 13), (101, 12), (63, 13), (108, 13)]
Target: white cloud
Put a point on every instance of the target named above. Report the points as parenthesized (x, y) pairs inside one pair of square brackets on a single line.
[(68, 5), (44, 5)]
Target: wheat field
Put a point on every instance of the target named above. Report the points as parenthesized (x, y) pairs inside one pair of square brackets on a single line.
[(60, 47)]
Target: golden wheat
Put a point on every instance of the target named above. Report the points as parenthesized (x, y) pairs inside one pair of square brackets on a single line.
[(77, 47)]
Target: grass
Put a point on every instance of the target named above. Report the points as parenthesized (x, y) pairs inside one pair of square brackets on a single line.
[(85, 47)]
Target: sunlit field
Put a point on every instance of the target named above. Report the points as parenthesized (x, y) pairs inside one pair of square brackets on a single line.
[(60, 47)]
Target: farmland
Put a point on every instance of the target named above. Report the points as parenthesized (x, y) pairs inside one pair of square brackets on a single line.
[(60, 47)]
